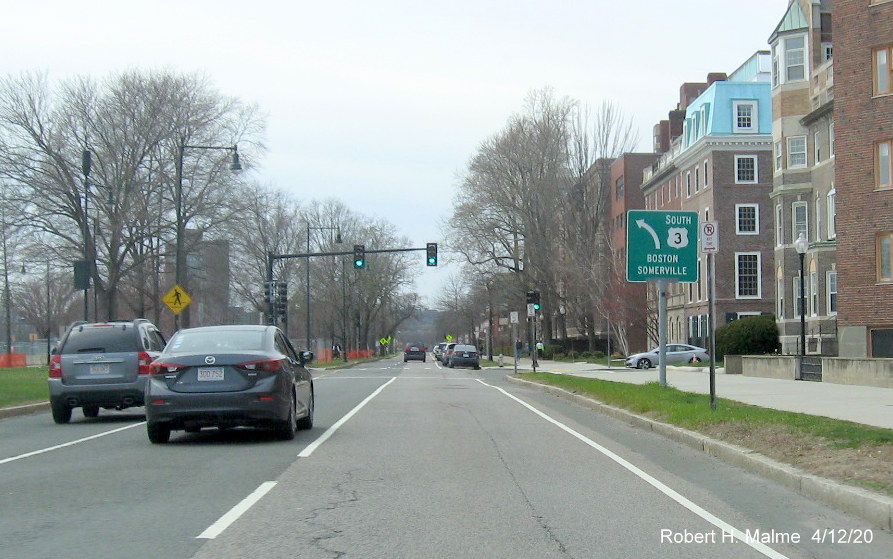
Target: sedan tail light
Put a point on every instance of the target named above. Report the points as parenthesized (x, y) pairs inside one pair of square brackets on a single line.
[(160, 368), (268, 365), (145, 363), (56, 366)]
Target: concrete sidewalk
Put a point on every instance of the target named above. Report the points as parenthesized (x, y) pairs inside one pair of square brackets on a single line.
[(861, 404)]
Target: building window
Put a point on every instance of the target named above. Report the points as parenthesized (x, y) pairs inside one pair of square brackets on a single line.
[(795, 58), (697, 179), (705, 174), (778, 156), (779, 298), (747, 275), (832, 213), (796, 152), (827, 52), (883, 73), (745, 169), (799, 220), (884, 257), (619, 188), (745, 114), (818, 218), (747, 219), (816, 148), (779, 224), (798, 300), (883, 171), (831, 302), (831, 139), (813, 293), (688, 184)]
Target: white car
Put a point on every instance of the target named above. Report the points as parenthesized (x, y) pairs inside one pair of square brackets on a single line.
[(676, 354)]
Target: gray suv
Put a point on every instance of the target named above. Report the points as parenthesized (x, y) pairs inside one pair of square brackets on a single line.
[(102, 365)]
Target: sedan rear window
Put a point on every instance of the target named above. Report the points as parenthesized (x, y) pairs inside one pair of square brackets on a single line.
[(229, 340)]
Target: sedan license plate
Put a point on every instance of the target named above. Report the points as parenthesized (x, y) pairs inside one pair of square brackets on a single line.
[(210, 373), (99, 369)]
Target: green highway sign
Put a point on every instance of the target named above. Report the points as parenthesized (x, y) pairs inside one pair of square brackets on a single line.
[(661, 245)]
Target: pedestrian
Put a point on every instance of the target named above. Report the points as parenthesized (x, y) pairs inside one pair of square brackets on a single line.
[(518, 347), (336, 351), (539, 348)]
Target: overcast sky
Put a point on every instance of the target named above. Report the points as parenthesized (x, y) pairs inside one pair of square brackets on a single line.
[(381, 103)]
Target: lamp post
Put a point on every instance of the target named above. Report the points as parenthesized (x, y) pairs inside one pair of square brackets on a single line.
[(179, 257), (307, 271), (801, 244)]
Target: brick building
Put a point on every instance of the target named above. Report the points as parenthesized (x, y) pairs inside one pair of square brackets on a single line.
[(720, 167), (803, 194), (863, 114)]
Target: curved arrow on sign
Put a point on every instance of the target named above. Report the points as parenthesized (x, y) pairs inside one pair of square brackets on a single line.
[(641, 223)]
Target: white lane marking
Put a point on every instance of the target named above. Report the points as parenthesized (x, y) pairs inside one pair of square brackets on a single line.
[(309, 449), (234, 513), (660, 486), (63, 445)]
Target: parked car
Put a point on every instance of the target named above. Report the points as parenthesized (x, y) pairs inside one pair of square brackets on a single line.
[(229, 376), (438, 350), (445, 355), (415, 351), (465, 356), (676, 354), (102, 365)]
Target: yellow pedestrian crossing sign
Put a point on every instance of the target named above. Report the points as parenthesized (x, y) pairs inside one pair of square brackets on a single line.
[(177, 299)]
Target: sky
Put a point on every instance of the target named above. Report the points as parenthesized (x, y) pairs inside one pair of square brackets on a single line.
[(382, 103)]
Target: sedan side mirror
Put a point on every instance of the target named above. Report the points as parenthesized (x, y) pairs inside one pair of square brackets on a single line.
[(306, 357)]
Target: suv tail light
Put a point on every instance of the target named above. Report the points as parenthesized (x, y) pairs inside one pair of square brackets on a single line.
[(145, 363), (56, 366), (269, 365)]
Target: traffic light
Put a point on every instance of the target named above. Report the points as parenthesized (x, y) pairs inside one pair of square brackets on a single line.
[(533, 298), (268, 292), (359, 256), (281, 299), (432, 254)]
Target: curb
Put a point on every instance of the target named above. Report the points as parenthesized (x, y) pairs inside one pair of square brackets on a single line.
[(874, 508), (24, 409)]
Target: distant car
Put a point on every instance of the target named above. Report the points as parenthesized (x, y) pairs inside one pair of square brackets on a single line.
[(445, 354), (465, 356), (102, 365), (229, 376), (438, 350), (676, 354), (416, 352)]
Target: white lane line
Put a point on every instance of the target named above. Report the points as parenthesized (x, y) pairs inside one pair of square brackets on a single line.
[(308, 450), (234, 513), (63, 445), (666, 490)]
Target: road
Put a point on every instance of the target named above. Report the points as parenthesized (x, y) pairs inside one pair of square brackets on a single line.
[(405, 460)]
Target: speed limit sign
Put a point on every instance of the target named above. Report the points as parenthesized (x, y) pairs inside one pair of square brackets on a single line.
[(709, 236)]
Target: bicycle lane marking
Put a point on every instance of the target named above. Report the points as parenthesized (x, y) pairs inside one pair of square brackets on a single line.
[(654, 482)]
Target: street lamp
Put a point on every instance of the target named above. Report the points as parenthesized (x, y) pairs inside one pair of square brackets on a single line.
[(179, 257), (801, 244), (307, 271)]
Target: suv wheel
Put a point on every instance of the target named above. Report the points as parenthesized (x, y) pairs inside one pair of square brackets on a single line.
[(158, 433), (61, 411)]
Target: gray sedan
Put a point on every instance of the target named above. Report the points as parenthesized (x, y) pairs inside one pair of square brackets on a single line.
[(676, 354), (228, 376)]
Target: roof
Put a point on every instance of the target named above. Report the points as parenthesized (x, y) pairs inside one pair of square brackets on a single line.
[(793, 20)]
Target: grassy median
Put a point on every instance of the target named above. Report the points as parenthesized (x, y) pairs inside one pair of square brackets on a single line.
[(23, 385)]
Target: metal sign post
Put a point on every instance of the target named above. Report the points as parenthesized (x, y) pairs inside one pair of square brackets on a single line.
[(710, 245)]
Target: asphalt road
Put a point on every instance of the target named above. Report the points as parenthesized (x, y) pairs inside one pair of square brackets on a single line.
[(405, 460)]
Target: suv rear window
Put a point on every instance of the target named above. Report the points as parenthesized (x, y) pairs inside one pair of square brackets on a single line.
[(103, 339)]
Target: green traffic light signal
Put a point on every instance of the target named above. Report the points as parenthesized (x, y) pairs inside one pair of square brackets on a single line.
[(431, 249), (359, 256)]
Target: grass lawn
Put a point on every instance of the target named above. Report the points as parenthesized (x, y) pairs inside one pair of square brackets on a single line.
[(692, 411), (23, 386)]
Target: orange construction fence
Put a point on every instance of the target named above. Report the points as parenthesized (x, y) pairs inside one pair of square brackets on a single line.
[(8, 360), (325, 355)]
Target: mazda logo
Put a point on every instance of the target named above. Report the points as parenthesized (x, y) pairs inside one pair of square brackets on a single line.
[(210, 360)]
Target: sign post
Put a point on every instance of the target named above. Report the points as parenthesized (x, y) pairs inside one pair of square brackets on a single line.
[(661, 246), (709, 246)]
